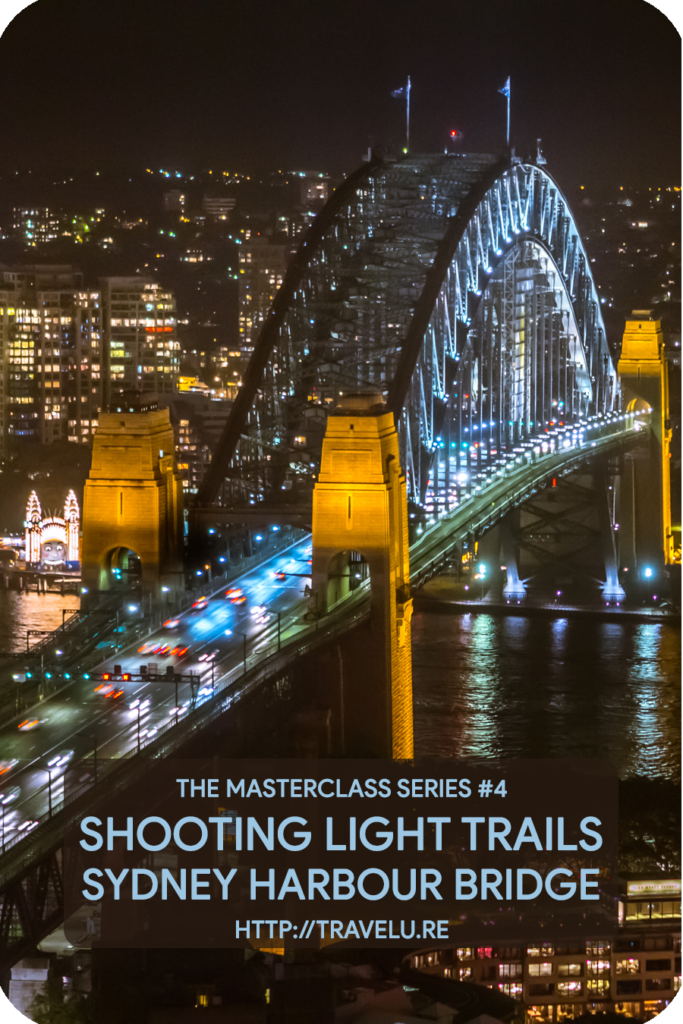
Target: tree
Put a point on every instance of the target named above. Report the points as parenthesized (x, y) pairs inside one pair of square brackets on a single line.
[(50, 1007), (649, 826)]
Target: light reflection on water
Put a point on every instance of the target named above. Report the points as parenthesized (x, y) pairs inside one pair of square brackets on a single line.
[(512, 686), (20, 611)]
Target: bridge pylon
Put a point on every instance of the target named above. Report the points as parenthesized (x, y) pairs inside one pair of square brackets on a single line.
[(645, 489), (360, 526), (132, 508)]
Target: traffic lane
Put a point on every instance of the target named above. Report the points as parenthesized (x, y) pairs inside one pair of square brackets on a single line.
[(115, 730), (117, 733), (196, 629), (261, 586)]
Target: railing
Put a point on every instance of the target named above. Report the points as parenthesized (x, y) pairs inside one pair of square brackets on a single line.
[(270, 656), (516, 477)]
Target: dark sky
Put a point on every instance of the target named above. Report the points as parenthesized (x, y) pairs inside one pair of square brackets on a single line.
[(294, 83)]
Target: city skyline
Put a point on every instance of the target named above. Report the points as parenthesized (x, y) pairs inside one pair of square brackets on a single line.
[(304, 85)]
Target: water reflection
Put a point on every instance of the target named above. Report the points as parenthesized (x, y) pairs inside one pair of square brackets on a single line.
[(20, 611), (488, 686)]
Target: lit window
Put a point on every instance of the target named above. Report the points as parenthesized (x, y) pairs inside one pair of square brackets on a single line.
[(540, 970)]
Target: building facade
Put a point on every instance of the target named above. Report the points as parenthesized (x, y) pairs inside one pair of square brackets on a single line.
[(140, 348), (637, 974), (36, 225), (262, 270), (67, 351), (50, 355), (52, 542)]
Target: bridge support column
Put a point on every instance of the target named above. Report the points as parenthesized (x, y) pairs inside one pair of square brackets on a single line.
[(514, 590), (132, 508), (360, 524), (612, 590), (645, 489)]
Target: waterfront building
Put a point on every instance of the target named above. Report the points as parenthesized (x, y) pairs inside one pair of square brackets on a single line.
[(636, 974)]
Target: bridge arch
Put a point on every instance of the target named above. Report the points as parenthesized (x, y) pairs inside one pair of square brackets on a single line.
[(385, 293)]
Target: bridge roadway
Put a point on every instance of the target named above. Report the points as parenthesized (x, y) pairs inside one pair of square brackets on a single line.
[(159, 715)]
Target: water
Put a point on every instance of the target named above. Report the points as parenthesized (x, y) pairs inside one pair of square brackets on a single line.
[(509, 686), (20, 611)]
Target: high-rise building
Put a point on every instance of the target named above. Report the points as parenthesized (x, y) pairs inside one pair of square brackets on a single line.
[(262, 270), (140, 343), (50, 354), (35, 225), (66, 351)]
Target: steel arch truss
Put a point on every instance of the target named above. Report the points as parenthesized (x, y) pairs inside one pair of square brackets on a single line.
[(459, 287)]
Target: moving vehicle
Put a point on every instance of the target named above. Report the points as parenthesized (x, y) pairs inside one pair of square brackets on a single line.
[(61, 759), (28, 724)]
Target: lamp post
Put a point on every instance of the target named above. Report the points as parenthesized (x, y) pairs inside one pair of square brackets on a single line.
[(49, 791)]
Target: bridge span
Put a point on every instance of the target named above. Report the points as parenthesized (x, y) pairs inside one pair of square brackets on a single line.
[(458, 287)]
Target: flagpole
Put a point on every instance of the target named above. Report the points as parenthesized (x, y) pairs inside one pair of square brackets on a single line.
[(408, 115), (508, 99)]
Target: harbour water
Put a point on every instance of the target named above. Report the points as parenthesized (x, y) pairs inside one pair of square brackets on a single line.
[(21, 611), (510, 686), (515, 686)]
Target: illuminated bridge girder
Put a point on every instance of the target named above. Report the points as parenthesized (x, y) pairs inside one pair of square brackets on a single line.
[(459, 287)]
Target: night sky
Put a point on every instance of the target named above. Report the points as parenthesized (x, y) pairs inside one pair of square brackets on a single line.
[(298, 84)]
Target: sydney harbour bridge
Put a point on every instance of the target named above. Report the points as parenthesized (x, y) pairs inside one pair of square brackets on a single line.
[(456, 285), (437, 347)]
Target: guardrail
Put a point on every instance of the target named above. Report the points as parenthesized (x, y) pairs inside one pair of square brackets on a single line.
[(517, 478), (267, 662)]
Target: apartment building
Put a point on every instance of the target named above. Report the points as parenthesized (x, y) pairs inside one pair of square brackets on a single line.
[(36, 225), (637, 974), (140, 341), (262, 270), (50, 355), (67, 351)]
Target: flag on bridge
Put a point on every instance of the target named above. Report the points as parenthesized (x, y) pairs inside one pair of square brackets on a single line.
[(506, 92), (399, 94)]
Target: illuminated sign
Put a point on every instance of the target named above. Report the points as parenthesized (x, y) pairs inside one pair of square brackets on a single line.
[(668, 887)]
